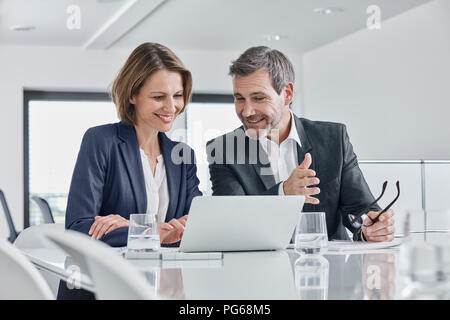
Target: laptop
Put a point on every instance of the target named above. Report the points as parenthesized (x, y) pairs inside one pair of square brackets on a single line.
[(241, 223)]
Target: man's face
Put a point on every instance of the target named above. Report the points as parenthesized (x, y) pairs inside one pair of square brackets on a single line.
[(258, 105)]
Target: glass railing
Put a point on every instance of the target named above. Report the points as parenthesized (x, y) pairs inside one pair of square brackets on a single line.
[(425, 191)]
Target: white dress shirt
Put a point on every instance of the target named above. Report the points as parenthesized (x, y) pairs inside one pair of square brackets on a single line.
[(283, 158), (156, 187)]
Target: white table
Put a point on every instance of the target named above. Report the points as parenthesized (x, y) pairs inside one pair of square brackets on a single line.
[(269, 275)]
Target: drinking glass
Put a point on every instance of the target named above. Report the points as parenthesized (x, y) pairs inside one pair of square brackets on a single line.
[(425, 266), (311, 233), (143, 234)]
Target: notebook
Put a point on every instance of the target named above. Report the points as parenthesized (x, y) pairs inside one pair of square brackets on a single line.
[(362, 246), (172, 254)]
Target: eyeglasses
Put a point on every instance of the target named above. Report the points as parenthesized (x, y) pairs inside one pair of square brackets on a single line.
[(356, 220)]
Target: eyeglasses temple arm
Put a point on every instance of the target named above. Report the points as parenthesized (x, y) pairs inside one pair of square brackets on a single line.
[(393, 201), (363, 211)]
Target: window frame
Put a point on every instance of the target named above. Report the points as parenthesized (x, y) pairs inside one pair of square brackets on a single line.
[(33, 95)]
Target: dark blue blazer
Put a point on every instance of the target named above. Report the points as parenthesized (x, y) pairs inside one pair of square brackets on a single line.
[(108, 179)]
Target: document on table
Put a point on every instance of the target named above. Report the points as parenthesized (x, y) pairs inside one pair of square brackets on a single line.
[(361, 246), (175, 254), (171, 254), (348, 245)]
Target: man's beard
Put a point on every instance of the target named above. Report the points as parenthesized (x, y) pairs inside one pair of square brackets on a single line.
[(258, 133)]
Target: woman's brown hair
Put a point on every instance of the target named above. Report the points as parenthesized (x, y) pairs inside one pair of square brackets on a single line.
[(142, 63)]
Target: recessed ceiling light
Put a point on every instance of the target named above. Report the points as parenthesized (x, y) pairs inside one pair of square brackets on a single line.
[(274, 37), (327, 11), (21, 27)]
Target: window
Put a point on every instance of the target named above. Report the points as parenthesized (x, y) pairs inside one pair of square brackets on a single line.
[(208, 116), (54, 126)]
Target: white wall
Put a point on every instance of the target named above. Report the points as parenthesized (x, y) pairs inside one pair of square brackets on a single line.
[(390, 86), (40, 68), (62, 68)]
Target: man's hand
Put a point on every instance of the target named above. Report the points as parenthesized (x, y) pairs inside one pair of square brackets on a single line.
[(104, 224), (300, 179), (172, 231), (382, 230)]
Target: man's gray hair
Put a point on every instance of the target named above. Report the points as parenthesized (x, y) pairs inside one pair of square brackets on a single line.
[(273, 61)]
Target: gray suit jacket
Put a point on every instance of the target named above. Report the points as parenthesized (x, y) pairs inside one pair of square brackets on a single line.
[(239, 166)]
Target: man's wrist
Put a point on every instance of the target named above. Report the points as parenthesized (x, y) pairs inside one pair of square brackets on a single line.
[(281, 189), (359, 235), (363, 237)]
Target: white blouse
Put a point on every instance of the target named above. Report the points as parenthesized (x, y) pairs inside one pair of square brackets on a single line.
[(156, 187)]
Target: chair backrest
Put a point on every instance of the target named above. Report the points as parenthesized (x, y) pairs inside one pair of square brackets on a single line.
[(19, 278), (46, 211), (113, 277), (33, 236), (12, 229)]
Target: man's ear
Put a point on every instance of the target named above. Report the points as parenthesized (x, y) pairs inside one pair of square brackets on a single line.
[(288, 93)]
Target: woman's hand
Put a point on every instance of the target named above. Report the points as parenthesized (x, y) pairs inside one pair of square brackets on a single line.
[(104, 224), (172, 231)]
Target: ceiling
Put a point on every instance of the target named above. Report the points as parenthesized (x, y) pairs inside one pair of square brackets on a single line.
[(189, 24)]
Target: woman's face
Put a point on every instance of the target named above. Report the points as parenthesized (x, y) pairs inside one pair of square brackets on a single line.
[(159, 100)]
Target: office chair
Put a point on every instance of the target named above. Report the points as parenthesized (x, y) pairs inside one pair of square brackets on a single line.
[(19, 278), (113, 277), (45, 209), (12, 230)]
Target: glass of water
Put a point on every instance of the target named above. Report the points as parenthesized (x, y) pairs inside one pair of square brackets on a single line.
[(143, 233), (311, 233), (425, 267)]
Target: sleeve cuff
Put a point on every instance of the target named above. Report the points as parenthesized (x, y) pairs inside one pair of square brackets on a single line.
[(359, 235), (281, 189)]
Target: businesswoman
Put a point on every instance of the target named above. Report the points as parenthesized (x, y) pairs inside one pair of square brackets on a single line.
[(132, 166)]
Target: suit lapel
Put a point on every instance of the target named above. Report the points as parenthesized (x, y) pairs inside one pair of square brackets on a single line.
[(129, 150), (306, 145), (173, 174), (301, 151), (262, 165)]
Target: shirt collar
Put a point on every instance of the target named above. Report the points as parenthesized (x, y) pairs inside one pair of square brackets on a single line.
[(293, 133)]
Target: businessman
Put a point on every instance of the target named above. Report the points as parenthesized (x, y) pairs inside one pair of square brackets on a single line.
[(277, 153)]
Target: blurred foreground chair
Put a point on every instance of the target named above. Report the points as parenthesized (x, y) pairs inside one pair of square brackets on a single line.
[(45, 209), (113, 277), (34, 236), (19, 278), (12, 229)]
